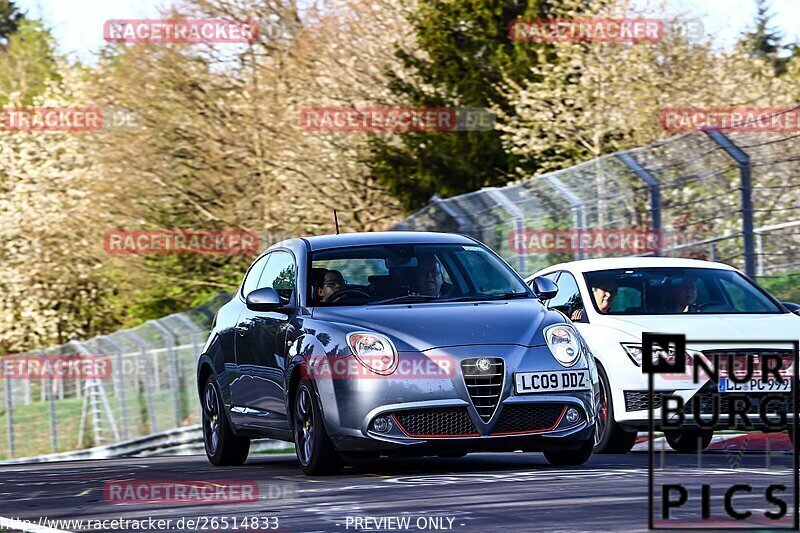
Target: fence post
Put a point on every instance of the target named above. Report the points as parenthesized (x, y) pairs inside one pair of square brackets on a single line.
[(120, 383), (52, 413), (172, 364), (9, 416), (653, 186), (519, 217), (760, 269), (464, 226), (577, 205), (148, 386), (746, 188)]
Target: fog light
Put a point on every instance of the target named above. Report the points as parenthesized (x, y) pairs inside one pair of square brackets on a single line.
[(381, 424), (572, 415)]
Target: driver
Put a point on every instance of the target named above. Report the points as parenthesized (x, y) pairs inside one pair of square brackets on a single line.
[(330, 284), (428, 278), (685, 295), (603, 291)]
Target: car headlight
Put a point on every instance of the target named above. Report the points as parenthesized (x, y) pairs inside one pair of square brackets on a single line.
[(375, 352), (564, 343), (634, 351)]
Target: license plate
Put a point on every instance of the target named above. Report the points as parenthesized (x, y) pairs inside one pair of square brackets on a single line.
[(755, 385), (561, 381)]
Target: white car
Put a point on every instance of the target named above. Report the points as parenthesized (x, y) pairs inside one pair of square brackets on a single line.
[(613, 301)]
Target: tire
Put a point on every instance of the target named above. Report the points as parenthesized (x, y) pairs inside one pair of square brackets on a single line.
[(571, 457), (315, 451), (687, 440), (223, 448), (609, 435)]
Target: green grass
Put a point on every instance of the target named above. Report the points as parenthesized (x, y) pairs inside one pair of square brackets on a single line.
[(785, 287)]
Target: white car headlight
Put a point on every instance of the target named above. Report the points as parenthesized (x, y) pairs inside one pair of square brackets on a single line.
[(634, 351), (564, 343), (374, 351)]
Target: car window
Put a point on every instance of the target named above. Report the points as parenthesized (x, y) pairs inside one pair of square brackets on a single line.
[(741, 297), (627, 298), (355, 271), (485, 275), (568, 297), (382, 274), (676, 290), (253, 274), (280, 275)]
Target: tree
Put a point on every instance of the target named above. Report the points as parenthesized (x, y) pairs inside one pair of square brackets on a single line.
[(27, 63), (10, 18), (464, 51), (765, 41)]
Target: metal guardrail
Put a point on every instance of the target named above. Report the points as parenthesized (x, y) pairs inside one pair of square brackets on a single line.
[(178, 441)]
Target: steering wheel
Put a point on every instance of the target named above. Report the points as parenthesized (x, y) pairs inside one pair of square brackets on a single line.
[(344, 293), (707, 305)]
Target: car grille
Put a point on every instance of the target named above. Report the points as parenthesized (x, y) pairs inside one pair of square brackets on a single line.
[(636, 400), (484, 389), (523, 418), (443, 422), (706, 396)]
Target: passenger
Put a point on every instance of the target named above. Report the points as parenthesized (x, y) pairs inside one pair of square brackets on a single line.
[(428, 278), (603, 292), (330, 284)]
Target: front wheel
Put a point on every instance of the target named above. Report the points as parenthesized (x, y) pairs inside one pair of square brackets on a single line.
[(571, 457), (315, 451), (609, 436), (689, 440), (222, 446)]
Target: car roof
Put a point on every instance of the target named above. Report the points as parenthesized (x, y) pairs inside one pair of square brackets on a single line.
[(608, 263), (324, 242)]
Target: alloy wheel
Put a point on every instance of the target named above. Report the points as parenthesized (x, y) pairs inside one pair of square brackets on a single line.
[(211, 419), (602, 414), (304, 425)]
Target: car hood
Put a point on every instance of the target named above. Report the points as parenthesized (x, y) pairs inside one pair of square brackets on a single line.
[(419, 327), (711, 327)]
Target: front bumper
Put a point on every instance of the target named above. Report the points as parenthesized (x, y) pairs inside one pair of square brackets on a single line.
[(430, 414)]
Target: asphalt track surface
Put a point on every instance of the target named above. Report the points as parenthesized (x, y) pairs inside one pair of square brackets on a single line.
[(480, 492)]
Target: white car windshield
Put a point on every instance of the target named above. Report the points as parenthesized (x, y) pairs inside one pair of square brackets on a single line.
[(665, 291)]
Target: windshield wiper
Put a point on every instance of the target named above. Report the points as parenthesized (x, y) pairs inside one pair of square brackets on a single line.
[(485, 297), (407, 298)]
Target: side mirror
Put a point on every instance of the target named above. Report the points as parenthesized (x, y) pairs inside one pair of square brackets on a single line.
[(544, 288), (793, 307), (265, 299)]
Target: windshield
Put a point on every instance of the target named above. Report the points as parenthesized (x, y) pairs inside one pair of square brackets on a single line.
[(408, 273), (665, 291)]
